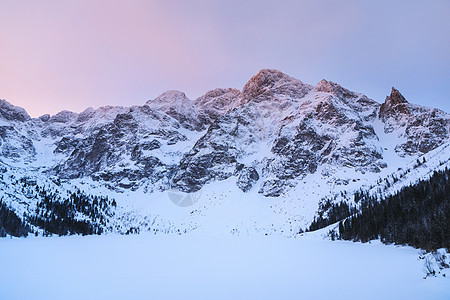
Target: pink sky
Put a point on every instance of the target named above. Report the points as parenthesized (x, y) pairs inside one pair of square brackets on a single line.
[(73, 54)]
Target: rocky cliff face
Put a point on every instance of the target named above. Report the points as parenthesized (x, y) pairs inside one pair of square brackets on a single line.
[(238, 135), (332, 128), (424, 129), (128, 147), (9, 112), (268, 137)]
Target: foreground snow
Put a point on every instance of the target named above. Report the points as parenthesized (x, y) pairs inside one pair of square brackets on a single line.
[(211, 267)]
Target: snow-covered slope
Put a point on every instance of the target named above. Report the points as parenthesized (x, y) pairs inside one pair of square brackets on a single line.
[(260, 160)]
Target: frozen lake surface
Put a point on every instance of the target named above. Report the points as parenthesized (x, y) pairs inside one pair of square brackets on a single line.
[(211, 267)]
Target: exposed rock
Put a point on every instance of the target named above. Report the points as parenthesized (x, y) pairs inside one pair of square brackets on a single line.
[(273, 85), (278, 125), (152, 145), (216, 103), (356, 101), (247, 177), (394, 108), (326, 130), (15, 146), (66, 145), (64, 116), (424, 128), (12, 113), (87, 114), (44, 118), (177, 105)]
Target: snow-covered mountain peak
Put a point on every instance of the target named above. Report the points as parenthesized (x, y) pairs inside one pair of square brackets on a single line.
[(171, 101), (44, 118), (423, 128), (169, 97), (277, 138), (333, 88), (177, 105), (395, 106), (86, 114), (216, 103), (217, 93), (220, 99), (356, 101), (271, 84), (12, 113), (395, 98), (326, 87), (64, 116)]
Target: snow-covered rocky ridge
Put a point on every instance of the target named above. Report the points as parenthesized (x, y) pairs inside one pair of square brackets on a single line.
[(256, 160)]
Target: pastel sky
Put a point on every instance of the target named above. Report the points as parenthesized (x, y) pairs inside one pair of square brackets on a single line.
[(73, 54)]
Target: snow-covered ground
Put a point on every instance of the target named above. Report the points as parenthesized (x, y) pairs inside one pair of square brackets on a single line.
[(211, 267)]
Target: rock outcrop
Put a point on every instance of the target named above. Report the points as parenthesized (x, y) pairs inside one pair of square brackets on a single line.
[(267, 137)]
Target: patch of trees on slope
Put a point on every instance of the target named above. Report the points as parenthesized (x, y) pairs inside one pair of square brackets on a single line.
[(418, 215), (76, 213)]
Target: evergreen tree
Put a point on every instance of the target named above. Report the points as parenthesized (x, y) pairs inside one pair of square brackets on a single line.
[(10, 223), (418, 215)]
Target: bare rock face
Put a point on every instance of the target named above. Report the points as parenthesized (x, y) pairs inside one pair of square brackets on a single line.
[(423, 128), (123, 147), (273, 85), (425, 131), (63, 117), (216, 103), (394, 111), (395, 98), (15, 146), (213, 156), (335, 89), (295, 156), (16, 143), (247, 176), (44, 118), (10, 112), (355, 101), (306, 128), (177, 105), (121, 150), (332, 127), (268, 137), (263, 102), (199, 114)]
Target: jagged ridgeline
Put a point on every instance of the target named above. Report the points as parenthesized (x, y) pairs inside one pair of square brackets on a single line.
[(278, 142), (71, 212), (268, 136)]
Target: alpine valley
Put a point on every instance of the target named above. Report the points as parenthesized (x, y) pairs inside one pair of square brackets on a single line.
[(265, 160)]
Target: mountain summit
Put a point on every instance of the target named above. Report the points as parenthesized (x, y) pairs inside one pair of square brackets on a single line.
[(279, 140), (395, 103), (395, 98), (269, 83)]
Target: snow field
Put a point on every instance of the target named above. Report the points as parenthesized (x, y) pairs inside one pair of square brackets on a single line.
[(211, 267)]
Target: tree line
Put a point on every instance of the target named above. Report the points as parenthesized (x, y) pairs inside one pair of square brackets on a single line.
[(74, 213), (417, 215), (10, 223)]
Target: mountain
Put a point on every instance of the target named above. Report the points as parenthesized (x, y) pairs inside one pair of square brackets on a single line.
[(263, 159)]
